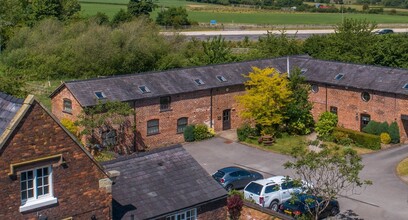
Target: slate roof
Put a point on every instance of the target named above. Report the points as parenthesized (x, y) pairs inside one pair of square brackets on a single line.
[(160, 182), (125, 87), (9, 106)]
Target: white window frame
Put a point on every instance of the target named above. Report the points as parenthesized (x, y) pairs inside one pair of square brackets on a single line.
[(183, 215), (38, 201)]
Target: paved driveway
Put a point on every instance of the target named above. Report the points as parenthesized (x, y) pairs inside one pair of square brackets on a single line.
[(387, 198)]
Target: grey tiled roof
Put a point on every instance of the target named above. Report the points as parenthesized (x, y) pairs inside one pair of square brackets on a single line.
[(125, 87), (159, 182), (9, 106)]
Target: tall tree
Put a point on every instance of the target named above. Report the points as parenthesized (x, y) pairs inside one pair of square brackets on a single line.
[(173, 16), (141, 7), (299, 119), (329, 173), (273, 45), (266, 98)]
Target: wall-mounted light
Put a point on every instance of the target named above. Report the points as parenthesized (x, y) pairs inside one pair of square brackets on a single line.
[(356, 116)]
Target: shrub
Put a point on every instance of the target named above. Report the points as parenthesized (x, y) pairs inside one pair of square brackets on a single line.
[(234, 205), (385, 138), (393, 130), (346, 141), (70, 126), (373, 127), (315, 142), (364, 140), (189, 133), (326, 123), (342, 138), (201, 132), (245, 131)]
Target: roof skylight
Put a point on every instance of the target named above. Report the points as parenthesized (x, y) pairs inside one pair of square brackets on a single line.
[(405, 86), (199, 82), (302, 71), (339, 76), (144, 89), (100, 95), (221, 78)]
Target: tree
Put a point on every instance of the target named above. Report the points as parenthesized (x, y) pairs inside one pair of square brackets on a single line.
[(394, 132), (173, 16), (46, 8), (329, 173), (273, 45), (212, 51), (141, 7), (120, 17), (266, 98), (101, 117), (299, 119), (326, 124)]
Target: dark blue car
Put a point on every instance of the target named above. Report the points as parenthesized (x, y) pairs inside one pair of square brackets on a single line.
[(235, 177), (301, 204)]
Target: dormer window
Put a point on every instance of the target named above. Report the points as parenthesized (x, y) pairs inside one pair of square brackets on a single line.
[(339, 76), (221, 79), (144, 89), (100, 95), (199, 82)]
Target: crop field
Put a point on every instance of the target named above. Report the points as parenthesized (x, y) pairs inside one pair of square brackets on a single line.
[(203, 13)]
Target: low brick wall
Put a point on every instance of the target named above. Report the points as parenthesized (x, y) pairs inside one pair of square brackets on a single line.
[(252, 211)]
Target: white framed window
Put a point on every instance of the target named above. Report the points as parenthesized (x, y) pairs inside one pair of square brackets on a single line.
[(36, 188), (184, 215)]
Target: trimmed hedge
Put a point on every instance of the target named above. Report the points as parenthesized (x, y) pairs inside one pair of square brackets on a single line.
[(364, 140)]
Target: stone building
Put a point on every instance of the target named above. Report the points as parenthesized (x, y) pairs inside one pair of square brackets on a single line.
[(165, 102), (44, 172)]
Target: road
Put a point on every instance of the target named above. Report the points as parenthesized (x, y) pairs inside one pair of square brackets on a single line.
[(254, 35), (387, 198)]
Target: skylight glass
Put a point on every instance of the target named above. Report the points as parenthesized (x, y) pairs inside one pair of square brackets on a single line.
[(100, 95), (302, 71), (144, 89), (339, 76), (199, 82), (221, 78), (405, 86)]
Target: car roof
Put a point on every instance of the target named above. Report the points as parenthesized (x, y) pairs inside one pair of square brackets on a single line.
[(271, 180), (230, 169)]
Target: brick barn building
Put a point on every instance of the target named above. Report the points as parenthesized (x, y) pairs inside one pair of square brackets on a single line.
[(44, 172), (165, 102)]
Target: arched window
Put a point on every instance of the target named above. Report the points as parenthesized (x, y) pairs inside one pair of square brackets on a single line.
[(181, 124), (153, 127)]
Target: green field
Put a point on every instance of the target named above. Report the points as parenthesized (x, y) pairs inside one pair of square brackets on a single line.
[(203, 13)]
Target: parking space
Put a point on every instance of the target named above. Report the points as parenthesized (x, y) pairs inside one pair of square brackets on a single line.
[(387, 198)]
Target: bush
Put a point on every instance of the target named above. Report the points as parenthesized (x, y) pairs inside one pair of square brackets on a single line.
[(385, 138), (376, 128), (245, 131), (364, 140), (234, 205), (201, 132), (189, 133), (70, 126), (342, 138), (326, 123), (393, 130)]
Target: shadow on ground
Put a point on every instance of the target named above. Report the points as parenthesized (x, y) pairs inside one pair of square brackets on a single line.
[(348, 215)]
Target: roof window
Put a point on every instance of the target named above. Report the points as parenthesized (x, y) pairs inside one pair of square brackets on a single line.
[(221, 78), (100, 95), (405, 86), (144, 89), (199, 82), (303, 71), (339, 76)]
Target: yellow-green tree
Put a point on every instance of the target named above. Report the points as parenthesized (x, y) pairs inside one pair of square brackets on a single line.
[(266, 98)]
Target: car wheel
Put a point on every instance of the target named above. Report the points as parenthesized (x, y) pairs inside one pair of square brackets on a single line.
[(274, 206), (334, 211), (229, 187)]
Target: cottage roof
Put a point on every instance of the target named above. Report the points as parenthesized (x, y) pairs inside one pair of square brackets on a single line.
[(160, 182), (126, 87), (9, 106)]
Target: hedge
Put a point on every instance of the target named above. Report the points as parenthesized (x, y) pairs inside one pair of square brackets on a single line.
[(364, 140)]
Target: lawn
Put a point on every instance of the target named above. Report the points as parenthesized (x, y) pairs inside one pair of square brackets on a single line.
[(203, 13), (42, 89), (283, 145)]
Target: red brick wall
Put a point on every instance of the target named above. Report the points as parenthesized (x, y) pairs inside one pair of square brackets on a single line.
[(57, 103), (381, 107), (76, 186)]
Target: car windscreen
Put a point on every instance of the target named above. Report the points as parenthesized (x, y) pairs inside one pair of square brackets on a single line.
[(254, 188)]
